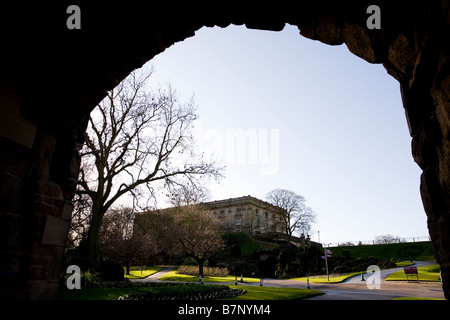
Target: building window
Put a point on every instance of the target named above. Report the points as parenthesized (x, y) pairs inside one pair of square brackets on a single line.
[(266, 225), (239, 222), (257, 222)]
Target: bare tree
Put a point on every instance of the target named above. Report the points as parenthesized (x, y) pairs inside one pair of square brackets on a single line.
[(387, 238), (157, 226), (79, 224), (189, 194), (293, 209), (191, 230), (117, 225), (197, 233), (135, 139), (118, 242)]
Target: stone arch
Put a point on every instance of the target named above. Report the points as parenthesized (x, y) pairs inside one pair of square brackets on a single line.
[(47, 92)]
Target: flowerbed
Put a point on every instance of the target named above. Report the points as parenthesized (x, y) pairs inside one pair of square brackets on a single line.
[(186, 292), (130, 284)]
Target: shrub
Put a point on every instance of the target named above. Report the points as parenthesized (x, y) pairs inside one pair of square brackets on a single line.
[(111, 270), (235, 250), (339, 269), (387, 264), (188, 261), (88, 278)]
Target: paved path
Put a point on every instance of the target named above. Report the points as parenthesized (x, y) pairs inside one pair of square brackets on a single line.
[(156, 276), (351, 289), (385, 273), (355, 289)]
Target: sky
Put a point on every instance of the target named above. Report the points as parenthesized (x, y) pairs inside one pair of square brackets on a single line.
[(283, 111)]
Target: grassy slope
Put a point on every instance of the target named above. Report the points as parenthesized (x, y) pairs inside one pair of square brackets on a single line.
[(137, 274), (324, 279), (174, 276), (402, 251), (429, 273), (247, 244)]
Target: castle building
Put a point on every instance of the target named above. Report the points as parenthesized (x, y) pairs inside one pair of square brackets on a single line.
[(248, 214)]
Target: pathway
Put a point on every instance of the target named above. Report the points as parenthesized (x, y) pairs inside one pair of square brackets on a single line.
[(351, 289), (355, 289), (156, 276)]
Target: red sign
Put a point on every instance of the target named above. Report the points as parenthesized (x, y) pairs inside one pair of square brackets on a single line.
[(410, 270)]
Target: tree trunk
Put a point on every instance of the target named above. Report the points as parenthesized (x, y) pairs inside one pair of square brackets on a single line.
[(201, 262), (93, 243)]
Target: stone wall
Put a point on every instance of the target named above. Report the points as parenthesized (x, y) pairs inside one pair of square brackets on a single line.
[(36, 208), (52, 77)]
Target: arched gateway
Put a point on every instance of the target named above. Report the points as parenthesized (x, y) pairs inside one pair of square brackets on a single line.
[(54, 70)]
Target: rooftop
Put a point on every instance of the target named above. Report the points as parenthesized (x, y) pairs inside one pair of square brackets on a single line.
[(240, 201)]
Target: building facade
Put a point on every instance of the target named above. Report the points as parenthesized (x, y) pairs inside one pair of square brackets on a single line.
[(248, 214)]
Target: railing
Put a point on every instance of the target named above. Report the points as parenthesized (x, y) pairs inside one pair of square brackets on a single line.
[(375, 241)]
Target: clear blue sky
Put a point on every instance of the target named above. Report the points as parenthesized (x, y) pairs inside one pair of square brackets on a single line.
[(327, 125)]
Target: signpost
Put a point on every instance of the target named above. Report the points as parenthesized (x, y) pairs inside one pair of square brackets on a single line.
[(411, 272), (327, 255)]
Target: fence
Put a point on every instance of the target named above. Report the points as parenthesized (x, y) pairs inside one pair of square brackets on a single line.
[(377, 241)]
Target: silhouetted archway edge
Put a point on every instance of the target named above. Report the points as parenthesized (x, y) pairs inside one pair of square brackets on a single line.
[(40, 162)]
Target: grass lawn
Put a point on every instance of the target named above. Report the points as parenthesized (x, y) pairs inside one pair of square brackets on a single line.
[(404, 263), (174, 276), (274, 293), (148, 271), (429, 273), (343, 277), (323, 279), (416, 298), (402, 251)]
